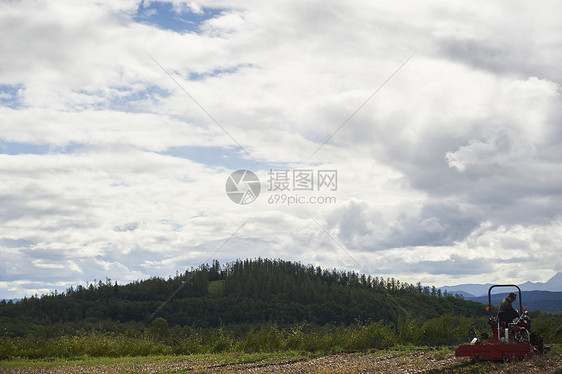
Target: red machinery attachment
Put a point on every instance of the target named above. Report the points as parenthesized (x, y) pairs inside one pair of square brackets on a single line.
[(511, 339)]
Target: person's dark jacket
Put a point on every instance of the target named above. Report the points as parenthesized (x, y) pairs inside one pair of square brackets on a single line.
[(507, 313)]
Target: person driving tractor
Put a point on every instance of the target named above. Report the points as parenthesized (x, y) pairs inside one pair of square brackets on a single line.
[(506, 312)]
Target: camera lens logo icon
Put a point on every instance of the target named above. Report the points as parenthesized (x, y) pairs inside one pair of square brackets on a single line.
[(243, 187)]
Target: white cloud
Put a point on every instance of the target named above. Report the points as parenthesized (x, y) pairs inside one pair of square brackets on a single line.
[(455, 160), (101, 128), (501, 146)]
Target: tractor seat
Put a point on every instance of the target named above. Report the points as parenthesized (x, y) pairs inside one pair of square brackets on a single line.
[(505, 317)]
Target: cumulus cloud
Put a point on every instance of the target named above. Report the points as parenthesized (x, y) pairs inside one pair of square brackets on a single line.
[(500, 147), (120, 122)]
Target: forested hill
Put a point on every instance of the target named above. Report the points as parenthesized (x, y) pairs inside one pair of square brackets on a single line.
[(250, 291)]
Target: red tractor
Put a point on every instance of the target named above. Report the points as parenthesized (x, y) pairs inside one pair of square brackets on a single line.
[(512, 338)]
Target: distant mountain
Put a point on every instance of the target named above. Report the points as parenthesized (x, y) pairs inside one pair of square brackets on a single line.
[(544, 301), (554, 284), (465, 295), (467, 290), (12, 300)]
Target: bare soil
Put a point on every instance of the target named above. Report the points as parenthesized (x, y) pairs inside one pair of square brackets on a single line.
[(378, 362)]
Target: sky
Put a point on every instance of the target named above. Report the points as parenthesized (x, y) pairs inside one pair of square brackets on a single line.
[(414, 140)]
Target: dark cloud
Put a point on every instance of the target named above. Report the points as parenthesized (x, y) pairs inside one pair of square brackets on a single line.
[(126, 227), (438, 223), (351, 221), (32, 202), (482, 54), (500, 56), (15, 243), (455, 265)]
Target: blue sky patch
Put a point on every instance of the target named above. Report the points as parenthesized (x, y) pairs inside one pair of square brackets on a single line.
[(216, 72), (9, 148), (216, 156), (125, 99), (133, 101), (15, 148), (165, 16), (10, 96)]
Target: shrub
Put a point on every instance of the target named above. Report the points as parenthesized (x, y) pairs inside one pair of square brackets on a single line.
[(159, 328), (267, 339), (7, 348), (376, 335)]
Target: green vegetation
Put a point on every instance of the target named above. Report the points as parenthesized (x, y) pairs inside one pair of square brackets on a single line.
[(242, 292), (244, 307), (216, 287), (159, 339), (548, 326)]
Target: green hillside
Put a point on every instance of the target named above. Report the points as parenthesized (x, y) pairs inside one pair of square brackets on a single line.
[(250, 291), (256, 305)]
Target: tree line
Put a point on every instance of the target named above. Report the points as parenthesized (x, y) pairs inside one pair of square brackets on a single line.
[(250, 305), (244, 291)]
